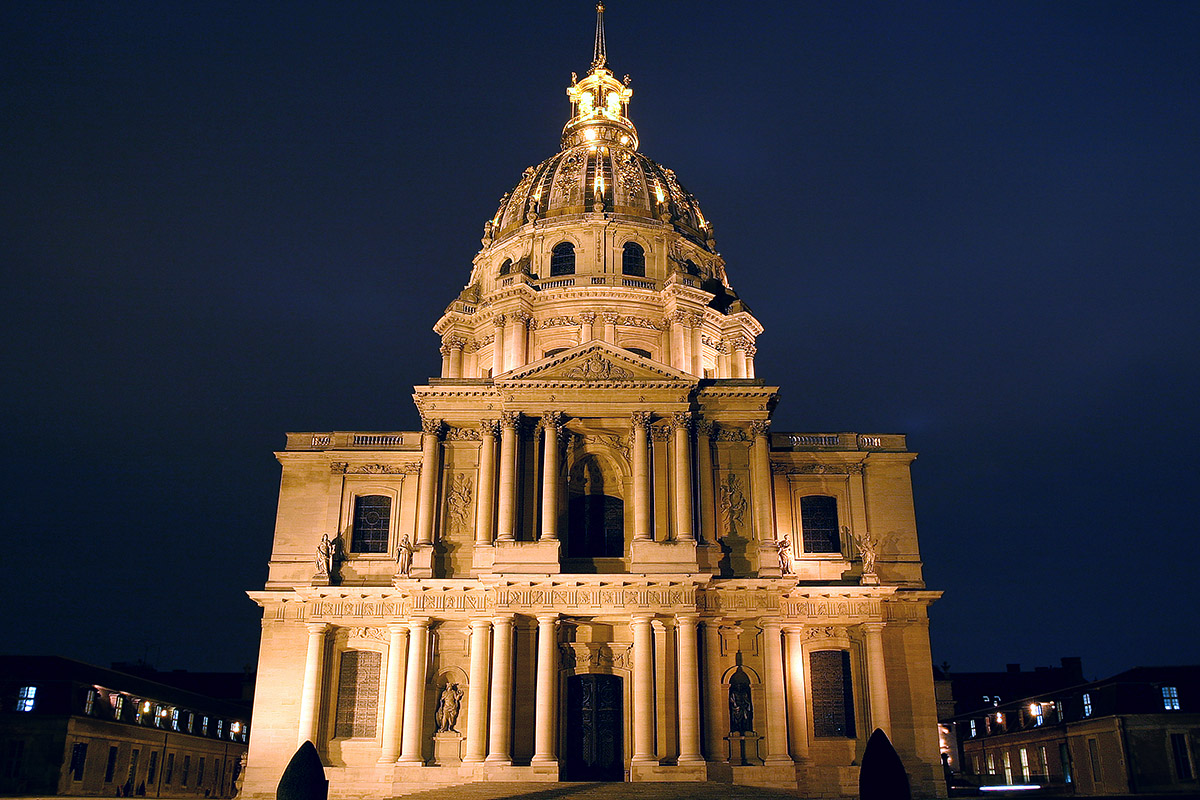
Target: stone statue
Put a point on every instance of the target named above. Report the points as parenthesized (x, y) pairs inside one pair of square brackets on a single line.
[(404, 556), (868, 548), (239, 776), (447, 708), (785, 557), (327, 556), (741, 706)]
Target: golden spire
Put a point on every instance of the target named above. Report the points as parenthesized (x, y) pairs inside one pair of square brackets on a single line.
[(599, 57)]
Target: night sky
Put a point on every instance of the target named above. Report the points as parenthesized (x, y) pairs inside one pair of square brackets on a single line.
[(975, 223)]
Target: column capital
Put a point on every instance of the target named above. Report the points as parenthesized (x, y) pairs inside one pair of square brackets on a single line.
[(548, 619), (687, 618), (552, 420), (704, 427), (640, 419), (510, 419), (682, 420), (480, 624), (520, 317), (499, 320), (871, 627), (659, 625), (587, 317), (504, 619), (793, 630), (610, 317), (315, 628), (431, 425), (771, 625), (760, 427), (419, 624), (488, 427), (398, 628)]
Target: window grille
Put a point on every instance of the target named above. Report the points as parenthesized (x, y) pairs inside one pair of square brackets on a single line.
[(26, 696), (372, 514), (111, 766), (832, 693), (1183, 759), (1087, 704), (819, 521), (78, 759), (1170, 698), (562, 259), (633, 260), (358, 694)]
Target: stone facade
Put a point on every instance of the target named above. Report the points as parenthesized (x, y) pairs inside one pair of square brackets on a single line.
[(595, 560)]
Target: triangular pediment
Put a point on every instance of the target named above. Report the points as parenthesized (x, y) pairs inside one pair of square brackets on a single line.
[(596, 362)]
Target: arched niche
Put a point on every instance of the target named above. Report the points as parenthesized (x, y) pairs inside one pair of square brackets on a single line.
[(595, 508)]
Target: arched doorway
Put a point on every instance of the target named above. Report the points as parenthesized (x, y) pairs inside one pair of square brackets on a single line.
[(595, 515), (594, 743)]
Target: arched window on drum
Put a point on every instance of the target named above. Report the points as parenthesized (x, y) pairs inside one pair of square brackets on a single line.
[(633, 260), (562, 259)]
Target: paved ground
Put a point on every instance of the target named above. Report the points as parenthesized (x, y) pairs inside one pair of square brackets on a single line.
[(601, 791)]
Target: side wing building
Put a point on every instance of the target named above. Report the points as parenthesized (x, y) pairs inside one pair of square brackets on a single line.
[(596, 560)]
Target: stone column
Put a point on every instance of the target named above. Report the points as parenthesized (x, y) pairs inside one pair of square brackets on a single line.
[(697, 323), (520, 339), (724, 368), (498, 344), (739, 357), (682, 424), (689, 690), (610, 326), (551, 420), (507, 506), (705, 476), (751, 351), (777, 735), (456, 356), (485, 501), (547, 690), (500, 718), (477, 700), (715, 697), (877, 677), (586, 326), (414, 693), (430, 470), (393, 689), (760, 477), (797, 693), (642, 527), (314, 677), (445, 351), (643, 689), (678, 356)]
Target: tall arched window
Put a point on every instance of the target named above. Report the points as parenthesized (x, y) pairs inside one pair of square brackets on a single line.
[(372, 513), (562, 259), (633, 260), (506, 267), (819, 520), (596, 517)]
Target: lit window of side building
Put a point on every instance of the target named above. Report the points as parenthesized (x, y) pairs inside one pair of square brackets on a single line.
[(596, 560)]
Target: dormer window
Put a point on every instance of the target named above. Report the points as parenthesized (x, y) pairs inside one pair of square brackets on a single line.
[(633, 260), (562, 259)]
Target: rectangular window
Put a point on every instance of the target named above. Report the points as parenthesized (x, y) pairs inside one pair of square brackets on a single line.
[(819, 521), (1183, 759), (78, 759), (1038, 717), (170, 769), (1170, 698), (832, 693), (976, 764), (14, 754), (1045, 762), (160, 714), (174, 719), (200, 772), (152, 767), (111, 766), (133, 763), (358, 694), (1008, 767), (220, 727), (26, 697), (1087, 704), (1094, 757), (118, 707), (204, 726), (991, 761), (372, 514), (89, 701), (187, 767), (973, 731), (1025, 774), (1064, 756)]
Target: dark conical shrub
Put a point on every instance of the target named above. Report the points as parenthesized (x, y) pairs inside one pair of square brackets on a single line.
[(304, 778), (882, 775)]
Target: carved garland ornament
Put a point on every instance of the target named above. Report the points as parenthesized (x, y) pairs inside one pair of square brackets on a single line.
[(598, 368)]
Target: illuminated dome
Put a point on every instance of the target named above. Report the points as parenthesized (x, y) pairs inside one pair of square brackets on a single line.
[(599, 169)]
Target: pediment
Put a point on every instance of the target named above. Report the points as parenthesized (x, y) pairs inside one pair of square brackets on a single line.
[(596, 362)]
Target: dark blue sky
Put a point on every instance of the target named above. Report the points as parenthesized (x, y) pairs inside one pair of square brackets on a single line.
[(974, 223)]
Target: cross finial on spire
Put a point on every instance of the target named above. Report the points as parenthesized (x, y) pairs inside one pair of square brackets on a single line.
[(599, 57)]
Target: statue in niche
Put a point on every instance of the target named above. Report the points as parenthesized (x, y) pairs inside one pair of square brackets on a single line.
[(327, 557), (732, 503), (448, 705), (404, 556), (741, 706)]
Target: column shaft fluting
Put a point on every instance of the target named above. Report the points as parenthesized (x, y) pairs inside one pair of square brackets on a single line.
[(797, 694), (760, 476), (689, 690), (697, 348), (456, 360), (642, 529), (414, 693), (314, 677), (678, 356), (477, 699), (684, 532), (704, 476), (430, 467), (547, 689), (500, 718), (777, 736), (485, 502), (550, 423), (643, 690), (393, 688), (877, 677), (507, 506), (498, 345)]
